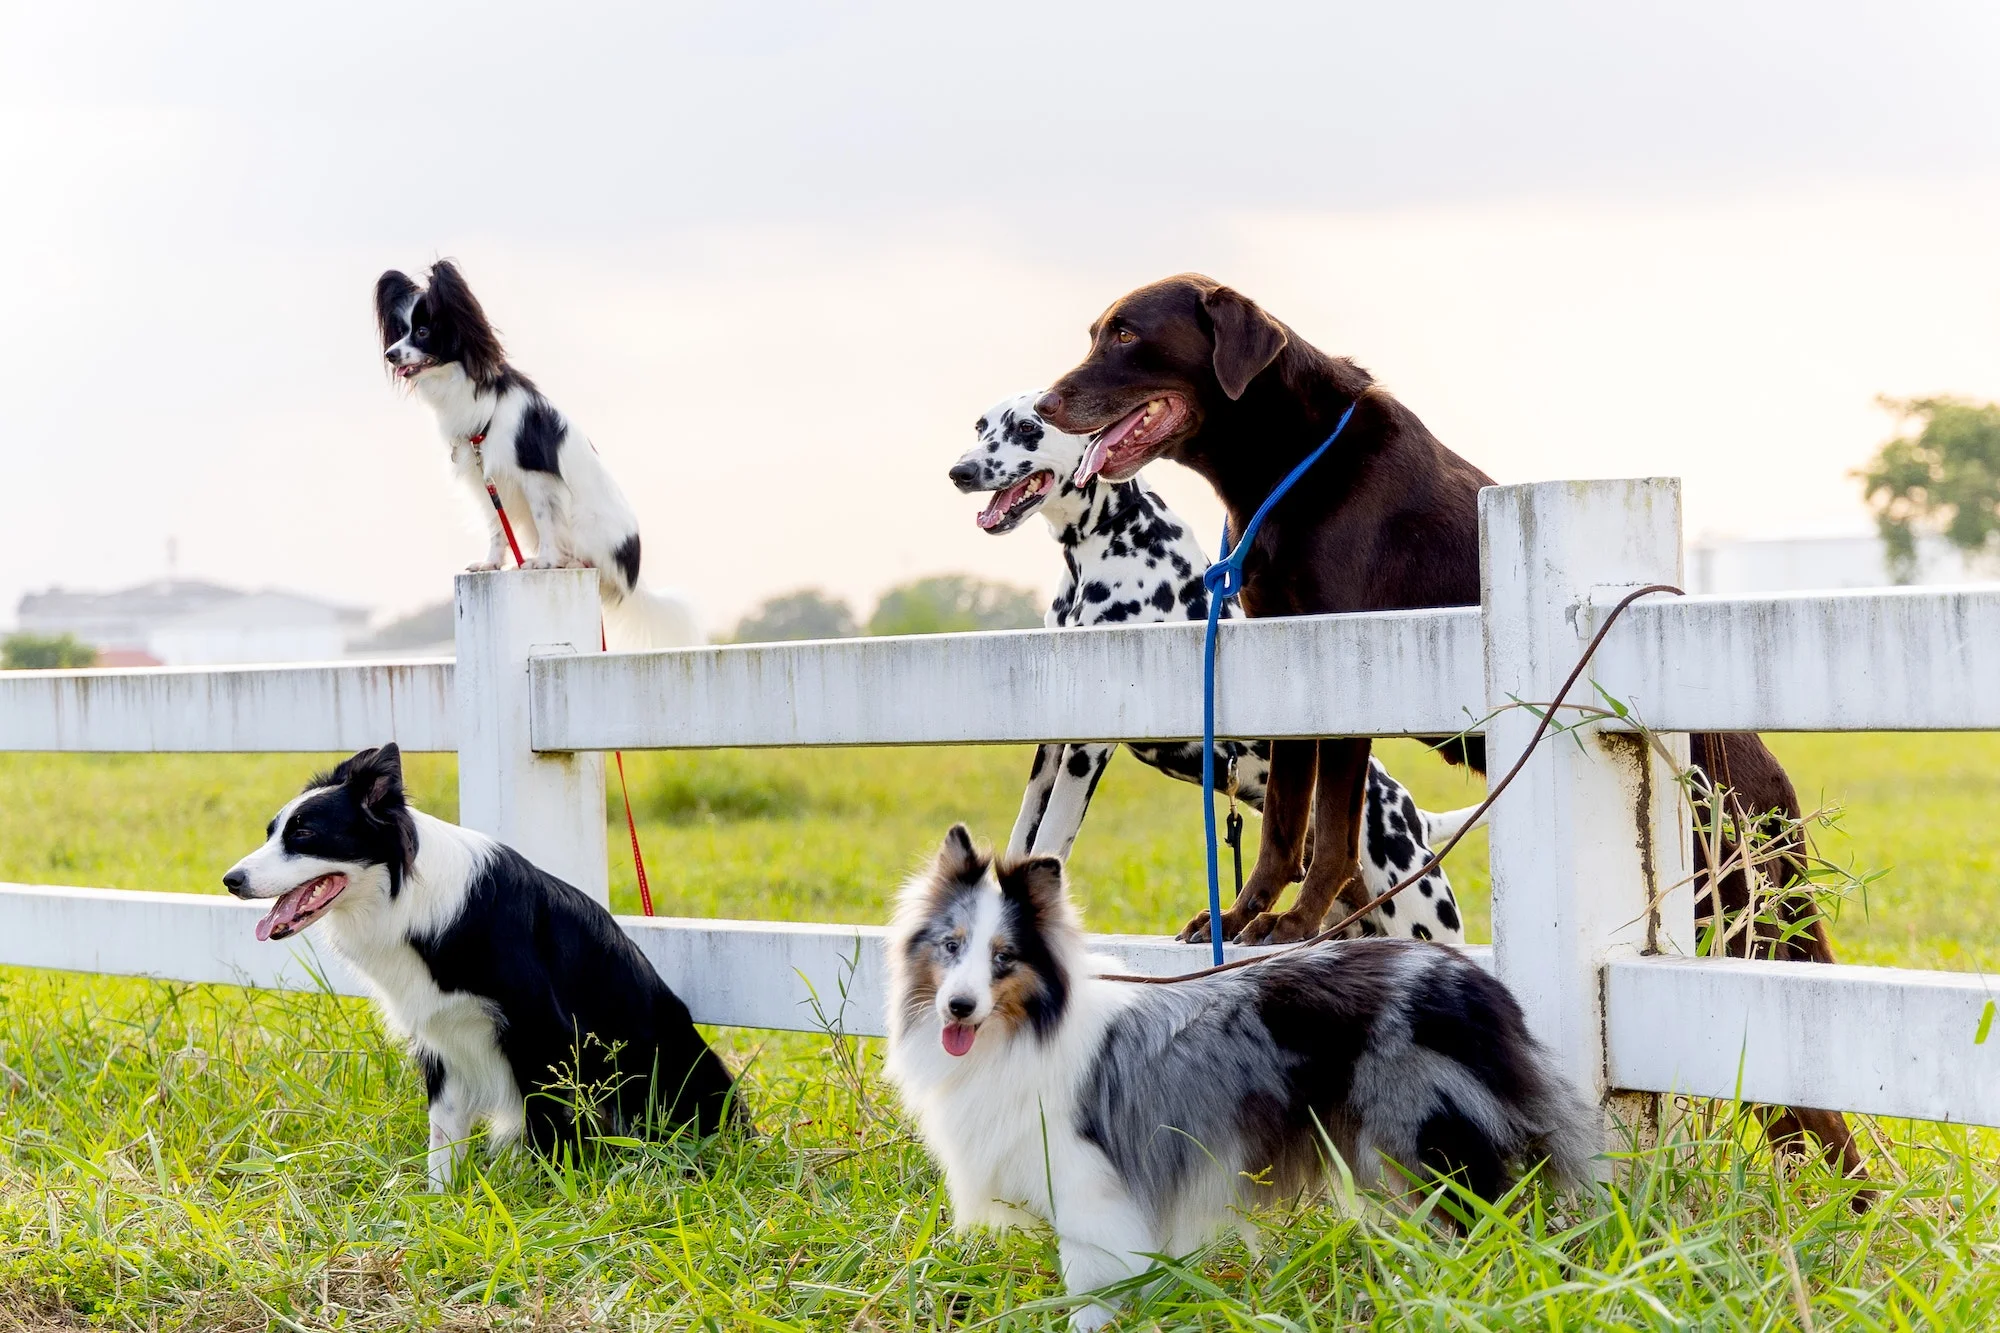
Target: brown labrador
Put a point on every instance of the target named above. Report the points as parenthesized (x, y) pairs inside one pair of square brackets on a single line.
[(1193, 371)]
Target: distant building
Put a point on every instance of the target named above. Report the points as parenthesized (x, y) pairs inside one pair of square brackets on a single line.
[(186, 622), (429, 631), (1804, 564)]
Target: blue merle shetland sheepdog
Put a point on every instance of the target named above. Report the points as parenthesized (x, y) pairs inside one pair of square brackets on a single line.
[(1134, 1118), (564, 506), (524, 1004)]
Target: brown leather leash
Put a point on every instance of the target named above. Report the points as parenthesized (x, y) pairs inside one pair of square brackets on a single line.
[(1437, 857)]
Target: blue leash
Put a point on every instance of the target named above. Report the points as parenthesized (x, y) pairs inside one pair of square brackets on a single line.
[(1224, 580)]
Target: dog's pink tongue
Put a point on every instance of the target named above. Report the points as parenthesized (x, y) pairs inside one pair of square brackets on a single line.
[(958, 1038), (283, 911), (996, 508), (307, 900), (1107, 439), (1093, 459)]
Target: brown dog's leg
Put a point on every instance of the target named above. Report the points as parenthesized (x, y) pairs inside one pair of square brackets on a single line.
[(1753, 780), (1337, 797), (1793, 1130), (1288, 798)]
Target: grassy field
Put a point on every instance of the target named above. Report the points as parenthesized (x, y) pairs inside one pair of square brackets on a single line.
[(204, 1158)]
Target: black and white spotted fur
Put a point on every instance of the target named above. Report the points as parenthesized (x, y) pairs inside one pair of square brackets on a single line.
[(1134, 1119), (520, 997), (566, 510), (1128, 559)]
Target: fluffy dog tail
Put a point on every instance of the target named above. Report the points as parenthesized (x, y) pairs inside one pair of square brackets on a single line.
[(643, 620), (1559, 1126)]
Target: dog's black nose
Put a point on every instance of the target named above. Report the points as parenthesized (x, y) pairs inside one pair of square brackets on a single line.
[(1049, 405), (960, 1007), (964, 475), (236, 882)]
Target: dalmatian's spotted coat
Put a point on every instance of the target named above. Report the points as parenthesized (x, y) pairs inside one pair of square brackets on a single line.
[(1129, 559)]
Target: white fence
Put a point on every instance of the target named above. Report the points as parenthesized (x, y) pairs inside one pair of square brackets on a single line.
[(1592, 917)]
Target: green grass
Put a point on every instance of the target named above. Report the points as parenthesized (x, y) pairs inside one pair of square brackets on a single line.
[(206, 1158)]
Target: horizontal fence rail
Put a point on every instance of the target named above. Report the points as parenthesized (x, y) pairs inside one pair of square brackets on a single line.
[(1391, 673), (759, 974), (1906, 1041), (312, 707), (1880, 1040), (1897, 659)]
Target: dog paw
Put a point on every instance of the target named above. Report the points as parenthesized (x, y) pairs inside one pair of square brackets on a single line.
[(1276, 928), (1196, 930), (481, 567), (543, 562)]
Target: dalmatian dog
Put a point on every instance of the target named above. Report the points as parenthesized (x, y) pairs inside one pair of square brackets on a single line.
[(1128, 559)]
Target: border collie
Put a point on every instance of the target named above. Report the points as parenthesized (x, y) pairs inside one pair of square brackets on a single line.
[(504, 980), (564, 506), (1132, 1118), (1128, 559)]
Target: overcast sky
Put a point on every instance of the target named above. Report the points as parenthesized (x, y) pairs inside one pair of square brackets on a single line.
[(776, 258)]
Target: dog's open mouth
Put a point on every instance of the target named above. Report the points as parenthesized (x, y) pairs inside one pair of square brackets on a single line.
[(298, 908), (1119, 450), (1009, 506), (412, 370), (958, 1038)]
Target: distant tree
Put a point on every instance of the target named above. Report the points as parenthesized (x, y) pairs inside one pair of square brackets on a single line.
[(43, 652), (805, 614), (1943, 478), (948, 603)]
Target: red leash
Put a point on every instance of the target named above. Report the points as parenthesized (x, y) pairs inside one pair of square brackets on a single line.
[(618, 756)]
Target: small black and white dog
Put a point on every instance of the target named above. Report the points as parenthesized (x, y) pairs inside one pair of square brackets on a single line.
[(520, 997), (1133, 1119), (565, 508), (1128, 559)]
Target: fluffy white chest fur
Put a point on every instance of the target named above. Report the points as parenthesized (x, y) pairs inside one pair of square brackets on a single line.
[(372, 932), (1001, 1117), (583, 497)]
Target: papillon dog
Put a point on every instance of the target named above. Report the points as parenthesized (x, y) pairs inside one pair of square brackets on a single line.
[(560, 498)]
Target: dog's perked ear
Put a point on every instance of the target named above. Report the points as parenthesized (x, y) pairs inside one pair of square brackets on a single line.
[(957, 858), (375, 777), (393, 291), (1246, 339), (1036, 882), (457, 312)]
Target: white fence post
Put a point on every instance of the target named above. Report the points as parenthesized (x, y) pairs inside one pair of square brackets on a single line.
[(548, 807), (1588, 846)]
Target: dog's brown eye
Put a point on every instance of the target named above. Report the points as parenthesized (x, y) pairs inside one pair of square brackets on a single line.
[(423, 333), (1127, 336)]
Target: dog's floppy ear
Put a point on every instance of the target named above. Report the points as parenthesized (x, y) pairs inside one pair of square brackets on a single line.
[(393, 291), (957, 858), (1246, 339), (1037, 881), (454, 307)]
